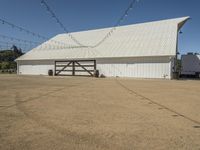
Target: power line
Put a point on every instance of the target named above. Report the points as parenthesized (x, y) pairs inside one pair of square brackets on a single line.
[(3, 46), (118, 23), (24, 46), (61, 44), (17, 43), (17, 39), (121, 19), (12, 43), (30, 43), (53, 15), (21, 29)]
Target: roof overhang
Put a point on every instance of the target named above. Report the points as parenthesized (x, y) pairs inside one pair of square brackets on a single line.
[(181, 23)]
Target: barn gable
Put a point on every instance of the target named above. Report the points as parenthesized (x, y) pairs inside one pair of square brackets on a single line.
[(158, 38)]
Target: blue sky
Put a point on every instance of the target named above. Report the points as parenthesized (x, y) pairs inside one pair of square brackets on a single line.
[(79, 15)]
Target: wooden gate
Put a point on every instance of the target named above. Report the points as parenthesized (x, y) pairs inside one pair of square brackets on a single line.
[(75, 68)]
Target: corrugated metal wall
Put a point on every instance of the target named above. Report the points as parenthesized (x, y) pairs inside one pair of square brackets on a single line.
[(143, 67), (35, 67), (190, 64)]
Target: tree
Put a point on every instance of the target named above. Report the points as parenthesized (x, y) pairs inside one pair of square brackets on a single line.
[(7, 58), (5, 65), (17, 50)]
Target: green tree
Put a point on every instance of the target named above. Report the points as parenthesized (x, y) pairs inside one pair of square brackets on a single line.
[(7, 58), (5, 65)]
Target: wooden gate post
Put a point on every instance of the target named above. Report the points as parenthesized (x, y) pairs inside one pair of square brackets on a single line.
[(55, 69), (95, 65), (73, 68)]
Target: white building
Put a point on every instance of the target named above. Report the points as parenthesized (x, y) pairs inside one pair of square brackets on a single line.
[(146, 50), (190, 65)]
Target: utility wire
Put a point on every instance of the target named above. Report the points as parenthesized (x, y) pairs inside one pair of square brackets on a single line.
[(21, 29), (12, 43), (53, 15), (121, 19), (65, 29), (22, 42), (17, 39), (118, 23), (61, 44), (8, 43)]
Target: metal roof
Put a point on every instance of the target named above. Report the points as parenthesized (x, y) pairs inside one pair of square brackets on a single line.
[(158, 38)]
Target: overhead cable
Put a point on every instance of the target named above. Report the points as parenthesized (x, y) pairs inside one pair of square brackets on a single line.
[(53, 15), (32, 43), (4, 22), (110, 33)]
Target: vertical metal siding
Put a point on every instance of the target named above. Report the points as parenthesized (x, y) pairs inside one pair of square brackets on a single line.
[(35, 67), (143, 67)]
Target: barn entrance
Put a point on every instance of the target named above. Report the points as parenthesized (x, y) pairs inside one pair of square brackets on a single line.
[(75, 68)]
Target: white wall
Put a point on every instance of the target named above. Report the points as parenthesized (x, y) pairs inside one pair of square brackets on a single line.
[(35, 67), (144, 67), (190, 64)]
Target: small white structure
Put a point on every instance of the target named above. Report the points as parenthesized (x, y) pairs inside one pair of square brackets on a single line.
[(190, 64), (146, 50)]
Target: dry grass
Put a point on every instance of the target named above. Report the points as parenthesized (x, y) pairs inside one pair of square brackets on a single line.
[(95, 114)]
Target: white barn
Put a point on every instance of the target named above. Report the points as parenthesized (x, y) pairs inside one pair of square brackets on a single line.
[(145, 50)]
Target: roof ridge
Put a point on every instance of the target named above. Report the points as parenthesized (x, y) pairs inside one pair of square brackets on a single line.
[(148, 22)]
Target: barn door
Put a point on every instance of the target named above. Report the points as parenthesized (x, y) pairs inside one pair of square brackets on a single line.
[(75, 68)]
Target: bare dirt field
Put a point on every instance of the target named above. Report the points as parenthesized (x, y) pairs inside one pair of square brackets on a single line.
[(73, 113)]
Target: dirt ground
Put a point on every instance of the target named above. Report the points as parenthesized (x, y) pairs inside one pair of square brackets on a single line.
[(73, 113)]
